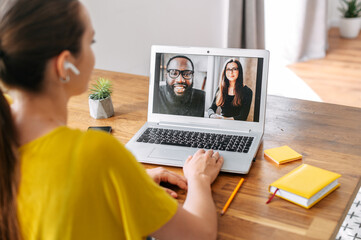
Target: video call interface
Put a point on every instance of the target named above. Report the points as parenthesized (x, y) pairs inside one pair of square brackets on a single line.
[(215, 87)]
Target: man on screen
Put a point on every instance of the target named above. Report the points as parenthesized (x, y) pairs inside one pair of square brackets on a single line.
[(178, 95)]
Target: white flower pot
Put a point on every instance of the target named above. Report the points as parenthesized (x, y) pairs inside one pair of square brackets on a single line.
[(350, 27), (101, 108)]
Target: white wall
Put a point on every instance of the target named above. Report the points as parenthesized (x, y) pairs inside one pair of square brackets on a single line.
[(333, 14), (126, 29)]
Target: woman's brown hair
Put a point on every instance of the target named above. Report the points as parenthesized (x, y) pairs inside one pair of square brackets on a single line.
[(224, 85), (9, 173), (31, 33)]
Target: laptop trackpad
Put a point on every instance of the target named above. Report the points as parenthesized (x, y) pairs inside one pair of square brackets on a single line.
[(171, 154)]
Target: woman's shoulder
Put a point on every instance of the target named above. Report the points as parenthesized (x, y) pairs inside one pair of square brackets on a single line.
[(91, 146), (78, 137), (247, 91), (99, 153), (246, 88), (99, 137), (101, 144)]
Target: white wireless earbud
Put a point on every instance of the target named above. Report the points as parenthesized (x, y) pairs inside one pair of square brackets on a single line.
[(69, 65)]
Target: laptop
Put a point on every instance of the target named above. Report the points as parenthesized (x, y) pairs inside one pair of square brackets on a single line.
[(204, 98)]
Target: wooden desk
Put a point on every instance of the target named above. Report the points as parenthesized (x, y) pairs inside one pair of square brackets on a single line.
[(328, 136)]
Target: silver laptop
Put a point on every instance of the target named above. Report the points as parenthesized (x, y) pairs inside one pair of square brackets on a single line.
[(204, 98)]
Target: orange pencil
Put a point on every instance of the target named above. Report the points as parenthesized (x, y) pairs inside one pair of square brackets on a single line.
[(232, 196)]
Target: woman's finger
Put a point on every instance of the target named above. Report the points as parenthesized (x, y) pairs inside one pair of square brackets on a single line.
[(189, 158), (216, 155), (219, 163), (175, 179), (199, 152), (171, 192), (209, 153)]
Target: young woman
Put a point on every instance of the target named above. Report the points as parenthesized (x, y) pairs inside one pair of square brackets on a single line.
[(233, 97), (62, 183)]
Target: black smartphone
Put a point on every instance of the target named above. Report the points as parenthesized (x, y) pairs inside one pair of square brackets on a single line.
[(107, 129)]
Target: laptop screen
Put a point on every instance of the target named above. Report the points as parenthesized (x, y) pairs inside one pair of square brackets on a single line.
[(215, 87)]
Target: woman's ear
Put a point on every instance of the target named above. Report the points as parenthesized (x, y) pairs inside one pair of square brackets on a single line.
[(64, 56)]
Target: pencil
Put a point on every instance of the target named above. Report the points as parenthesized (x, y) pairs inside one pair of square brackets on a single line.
[(232, 196)]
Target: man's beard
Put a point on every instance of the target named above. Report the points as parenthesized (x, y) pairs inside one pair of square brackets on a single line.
[(180, 98), (183, 90)]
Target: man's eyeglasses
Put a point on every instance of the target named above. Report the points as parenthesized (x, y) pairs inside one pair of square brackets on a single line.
[(232, 69), (186, 74)]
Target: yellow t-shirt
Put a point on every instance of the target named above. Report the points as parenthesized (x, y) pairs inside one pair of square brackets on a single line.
[(86, 185)]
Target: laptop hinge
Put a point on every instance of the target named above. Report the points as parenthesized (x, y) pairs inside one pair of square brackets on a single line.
[(214, 127)]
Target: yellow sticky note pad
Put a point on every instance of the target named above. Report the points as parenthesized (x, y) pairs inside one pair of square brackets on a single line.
[(282, 154)]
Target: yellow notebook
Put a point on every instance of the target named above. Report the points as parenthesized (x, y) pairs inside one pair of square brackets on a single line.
[(306, 185), (282, 154)]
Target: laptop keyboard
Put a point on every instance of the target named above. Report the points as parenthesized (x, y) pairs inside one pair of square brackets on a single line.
[(221, 142)]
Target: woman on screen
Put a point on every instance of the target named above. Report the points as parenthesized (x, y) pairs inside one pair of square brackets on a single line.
[(62, 183), (232, 96)]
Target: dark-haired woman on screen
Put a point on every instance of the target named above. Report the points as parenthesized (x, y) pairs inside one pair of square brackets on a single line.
[(233, 97)]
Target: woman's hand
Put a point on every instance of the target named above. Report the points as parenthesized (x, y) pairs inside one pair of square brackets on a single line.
[(216, 116), (160, 174), (228, 118), (203, 165)]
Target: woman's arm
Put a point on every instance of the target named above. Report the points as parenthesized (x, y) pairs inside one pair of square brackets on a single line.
[(197, 218), (213, 108)]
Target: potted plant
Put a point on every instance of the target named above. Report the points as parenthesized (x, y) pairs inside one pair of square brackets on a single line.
[(350, 22), (100, 101)]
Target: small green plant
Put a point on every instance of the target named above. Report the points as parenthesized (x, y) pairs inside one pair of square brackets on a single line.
[(350, 8), (101, 89)]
